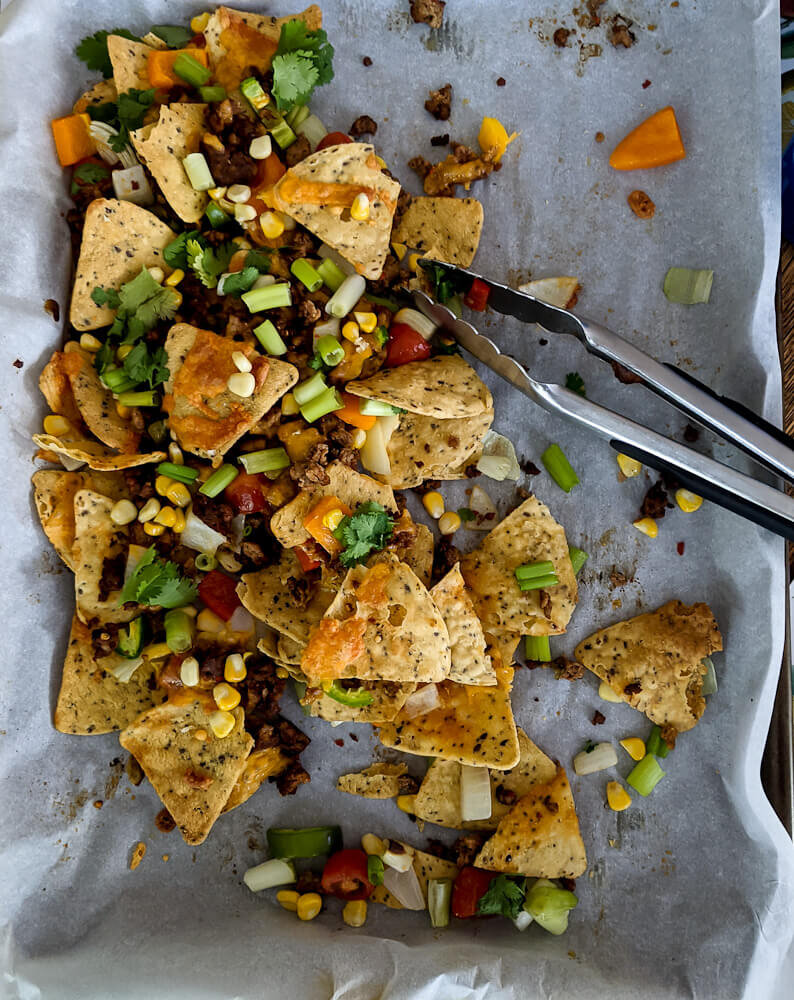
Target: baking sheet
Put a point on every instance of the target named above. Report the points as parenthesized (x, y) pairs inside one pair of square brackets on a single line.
[(689, 893)]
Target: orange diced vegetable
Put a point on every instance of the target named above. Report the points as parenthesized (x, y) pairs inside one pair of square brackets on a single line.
[(653, 143), (315, 522), (73, 141), (351, 413), (493, 137), (160, 65)]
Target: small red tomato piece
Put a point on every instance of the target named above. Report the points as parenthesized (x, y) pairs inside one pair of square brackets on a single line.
[(307, 562), (245, 494), (405, 345), (470, 886), (219, 592), (345, 875), (477, 296), (332, 139)]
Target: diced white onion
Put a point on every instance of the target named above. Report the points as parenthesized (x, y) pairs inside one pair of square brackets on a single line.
[(270, 874), (328, 328), (313, 129), (556, 291), (399, 860), (523, 920), (125, 670), (601, 757), (484, 508), (134, 555), (200, 536), (475, 793), (131, 184), (241, 621), (417, 321), (263, 281), (499, 460), (422, 701), (102, 134), (405, 888), (198, 172)]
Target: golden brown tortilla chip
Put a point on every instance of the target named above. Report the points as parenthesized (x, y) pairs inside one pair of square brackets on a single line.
[(412, 543), (471, 664), (266, 24), (193, 777), (319, 191), (387, 700), (379, 781), (78, 448), (426, 866), (206, 416), (351, 487), (444, 386), (119, 238), (529, 534), (382, 625), (655, 661), (130, 62), (57, 390), (97, 404), (96, 539), (539, 836), (178, 132), (102, 92), (449, 227), (266, 596), (91, 700), (261, 765)]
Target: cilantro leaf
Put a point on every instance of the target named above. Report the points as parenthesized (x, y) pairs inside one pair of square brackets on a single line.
[(206, 263), (105, 297), (145, 365), (87, 173), (303, 61), (375, 869), (366, 530), (142, 302), (125, 115), (93, 50), (175, 254), (240, 281), (574, 381), (504, 896), (260, 259), (466, 514), (174, 35), (157, 581)]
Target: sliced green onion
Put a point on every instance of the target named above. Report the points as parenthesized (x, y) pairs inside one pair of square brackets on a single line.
[(270, 874), (269, 297), (578, 558), (537, 648), (646, 775), (317, 407), (309, 389), (377, 408), (375, 869), (687, 286), (332, 275), (138, 398), (529, 571), (178, 631), (269, 337), (205, 561), (181, 473), (267, 460), (158, 431), (130, 639), (212, 94), (709, 685), (198, 172), (216, 216), (330, 350), (252, 91), (549, 905), (539, 582), (117, 380), (656, 745), (296, 114), (219, 480), (559, 468), (379, 300), (346, 296), (306, 274), (455, 306), (304, 842), (191, 70), (283, 134), (439, 901)]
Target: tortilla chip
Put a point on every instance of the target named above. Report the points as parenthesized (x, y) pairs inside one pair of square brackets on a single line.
[(261, 765), (444, 386), (449, 227), (206, 416), (412, 543), (662, 653), (97, 404), (289, 651), (351, 487), (97, 456), (178, 132), (343, 170), (539, 836), (178, 765), (91, 700), (265, 595), (57, 390), (102, 92), (473, 725), (382, 625), (529, 534), (130, 62), (426, 866), (470, 662), (119, 238), (387, 700), (266, 24), (96, 539), (379, 781)]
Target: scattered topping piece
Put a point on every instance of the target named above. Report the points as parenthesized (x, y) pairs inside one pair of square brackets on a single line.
[(633, 746), (504, 896), (619, 34), (138, 854), (647, 526), (537, 648), (559, 468), (271, 873), (560, 37), (629, 467), (653, 143), (687, 501), (549, 905), (687, 286), (430, 12), (302, 62), (309, 905), (595, 757), (608, 693), (575, 382), (439, 102), (641, 205), (618, 798), (449, 523), (562, 292), (646, 775)]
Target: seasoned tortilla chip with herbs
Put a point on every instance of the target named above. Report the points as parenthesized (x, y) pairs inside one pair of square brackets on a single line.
[(655, 661), (192, 770), (379, 781), (384, 700), (412, 543), (102, 92), (206, 416), (471, 664), (97, 541), (528, 535), (57, 389), (119, 238), (91, 699), (162, 148), (426, 866), (97, 405), (75, 447), (382, 625), (130, 62), (291, 611), (448, 228), (319, 193), (260, 765), (539, 836), (444, 386)]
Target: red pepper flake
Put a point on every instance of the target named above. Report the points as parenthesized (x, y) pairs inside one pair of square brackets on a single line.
[(501, 82), (646, 84), (353, 737), (680, 548), (339, 743)]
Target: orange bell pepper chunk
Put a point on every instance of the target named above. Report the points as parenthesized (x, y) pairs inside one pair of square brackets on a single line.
[(351, 413), (73, 141), (160, 65), (320, 532), (653, 143)]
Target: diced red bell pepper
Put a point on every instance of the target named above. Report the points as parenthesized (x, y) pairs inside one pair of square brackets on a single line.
[(477, 296), (405, 345), (219, 592), (245, 494), (332, 139), (345, 875), (469, 888), (307, 562)]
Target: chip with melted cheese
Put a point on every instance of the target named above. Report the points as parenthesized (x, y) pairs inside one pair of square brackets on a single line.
[(378, 781), (388, 697), (97, 539)]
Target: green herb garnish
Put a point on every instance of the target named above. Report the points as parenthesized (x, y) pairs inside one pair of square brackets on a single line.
[(366, 530), (88, 173), (302, 62), (157, 581), (125, 115), (504, 897), (575, 382), (93, 50)]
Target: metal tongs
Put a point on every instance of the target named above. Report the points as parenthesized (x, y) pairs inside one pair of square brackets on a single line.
[(758, 502)]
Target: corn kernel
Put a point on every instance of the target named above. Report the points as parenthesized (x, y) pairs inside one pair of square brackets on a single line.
[(634, 747), (333, 519), (166, 516), (157, 273), (177, 298), (413, 262), (217, 193), (156, 650), (123, 512), (221, 723), (189, 672), (407, 803), (199, 23), (688, 502), (179, 524), (448, 523), (271, 225), (123, 411), (617, 796), (208, 621), (149, 510), (241, 362), (371, 844), (354, 912), (122, 351), (175, 453), (174, 278), (309, 905), (433, 503), (288, 898), (162, 485), (152, 529), (90, 343), (239, 194), (245, 213), (179, 494), (201, 735), (359, 210), (190, 609), (350, 331), (234, 668), (56, 425), (261, 147), (359, 438), (289, 406), (608, 693), (400, 250), (647, 526), (630, 467), (368, 321), (226, 697), (242, 384)]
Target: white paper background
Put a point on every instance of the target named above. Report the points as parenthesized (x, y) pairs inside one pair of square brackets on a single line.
[(695, 897)]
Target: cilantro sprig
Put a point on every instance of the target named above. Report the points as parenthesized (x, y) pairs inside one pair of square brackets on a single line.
[(125, 115), (505, 896), (93, 50), (303, 61), (574, 381), (140, 303), (88, 173), (366, 530), (158, 581), (207, 264)]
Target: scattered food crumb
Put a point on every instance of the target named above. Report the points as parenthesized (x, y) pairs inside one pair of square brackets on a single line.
[(366, 61), (164, 821), (618, 579), (501, 82), (440, 140), (430, 12), (363, 125), (339, 743), (598, 718), (18, 363), (599, 137), (529, 468), (611, 842), (691, 434), (98, 803), (680, 548), (134, 772), (353, 737), (567, 670), (656, 501), (623, 374), (560, 37), (619, 33), (137, 855), (439, 102), (166, 857), (543, 341), (641, 205), (646, 84), (52, 307)]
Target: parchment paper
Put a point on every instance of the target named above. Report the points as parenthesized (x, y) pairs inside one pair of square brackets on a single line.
[(690, 892)]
